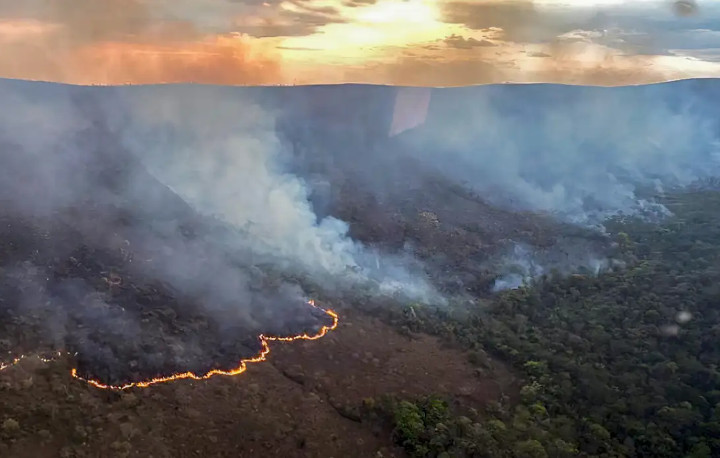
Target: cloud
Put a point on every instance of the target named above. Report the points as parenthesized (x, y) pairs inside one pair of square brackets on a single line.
[(459, 42), (128, 20), (123, 41), (560, 62), (155, 41), (519, 19), (421, 71), (643, 27), (214, 60), (87, 20), (298, 48), (285, 24), (608, 44), (706, 55), (262, 42), (287, 19), (663, 43), (356, 3)]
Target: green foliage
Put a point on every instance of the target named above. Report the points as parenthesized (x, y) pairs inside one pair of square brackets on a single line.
[(530, 449), (409, 424), (610, 368), (421, 428)]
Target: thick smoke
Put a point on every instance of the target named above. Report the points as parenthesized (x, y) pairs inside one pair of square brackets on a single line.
[(582, 154), (222, 155), (251, 161), (577, 154), (116, 200), (217, 150)]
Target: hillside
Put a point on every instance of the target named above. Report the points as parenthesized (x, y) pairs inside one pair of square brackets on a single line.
[(148, 231)]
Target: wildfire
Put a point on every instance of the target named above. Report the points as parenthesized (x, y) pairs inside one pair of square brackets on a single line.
[(4, 366), (242, 367)]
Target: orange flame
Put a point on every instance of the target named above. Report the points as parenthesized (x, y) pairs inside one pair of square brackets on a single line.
[(242, 367), (15, 361)]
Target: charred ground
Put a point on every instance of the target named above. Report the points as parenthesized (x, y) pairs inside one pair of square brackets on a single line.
[(80, 277), (90, 276)]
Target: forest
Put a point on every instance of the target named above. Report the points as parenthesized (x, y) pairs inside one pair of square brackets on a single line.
[(117, 267), (624, 363)]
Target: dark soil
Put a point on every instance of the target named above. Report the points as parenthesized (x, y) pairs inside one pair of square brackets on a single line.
[(299, 403), (91, 278)]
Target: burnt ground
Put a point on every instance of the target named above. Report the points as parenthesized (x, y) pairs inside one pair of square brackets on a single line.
[(302, 402), (107, 263), (299, 403), (128, 279), (62, 288)]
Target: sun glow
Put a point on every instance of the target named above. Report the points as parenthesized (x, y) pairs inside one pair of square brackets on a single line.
[(417, 12), (385, 24)]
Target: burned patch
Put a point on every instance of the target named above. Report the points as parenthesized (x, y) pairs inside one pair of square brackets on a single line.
[(100, 259), (122, 320)]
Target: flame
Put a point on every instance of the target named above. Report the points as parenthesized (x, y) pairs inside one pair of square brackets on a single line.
[(242, 366), (16, 360)]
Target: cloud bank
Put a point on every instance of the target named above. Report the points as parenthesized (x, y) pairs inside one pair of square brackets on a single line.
[(445, 43)]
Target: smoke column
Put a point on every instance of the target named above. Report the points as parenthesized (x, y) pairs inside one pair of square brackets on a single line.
[(222, 155)]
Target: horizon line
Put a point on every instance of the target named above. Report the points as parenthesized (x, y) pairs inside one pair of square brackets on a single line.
[(505, 83)]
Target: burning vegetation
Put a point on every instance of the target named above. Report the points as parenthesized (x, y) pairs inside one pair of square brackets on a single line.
[(151, 235), (242, 367)]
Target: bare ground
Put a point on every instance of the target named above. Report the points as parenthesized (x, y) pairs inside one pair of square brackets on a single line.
[(295, 404)]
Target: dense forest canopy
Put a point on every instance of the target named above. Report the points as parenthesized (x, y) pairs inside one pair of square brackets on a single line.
[(620, 364)]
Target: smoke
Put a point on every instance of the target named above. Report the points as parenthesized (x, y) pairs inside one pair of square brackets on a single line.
[(196, 197), (218, 151), (523, 264), (163, 224), (520, 268), (582, 154), (222, 155), (685, 7)]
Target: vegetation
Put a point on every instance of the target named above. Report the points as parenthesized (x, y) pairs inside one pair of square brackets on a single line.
[(621, 364)]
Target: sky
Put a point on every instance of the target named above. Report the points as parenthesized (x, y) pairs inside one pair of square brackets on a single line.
[(399, 42)]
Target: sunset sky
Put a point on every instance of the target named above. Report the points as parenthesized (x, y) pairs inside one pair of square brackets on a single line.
[(408, 42)]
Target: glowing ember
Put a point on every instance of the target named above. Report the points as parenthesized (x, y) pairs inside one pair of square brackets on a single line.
[(4, 366), (242, 367)]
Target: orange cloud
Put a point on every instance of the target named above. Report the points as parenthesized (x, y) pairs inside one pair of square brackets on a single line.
[(17, 30), (220, 60), (123, 41), (214, 60), (418, 42)]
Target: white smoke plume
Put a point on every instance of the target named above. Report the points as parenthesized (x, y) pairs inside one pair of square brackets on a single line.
[(222, 155), (580, 153)]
